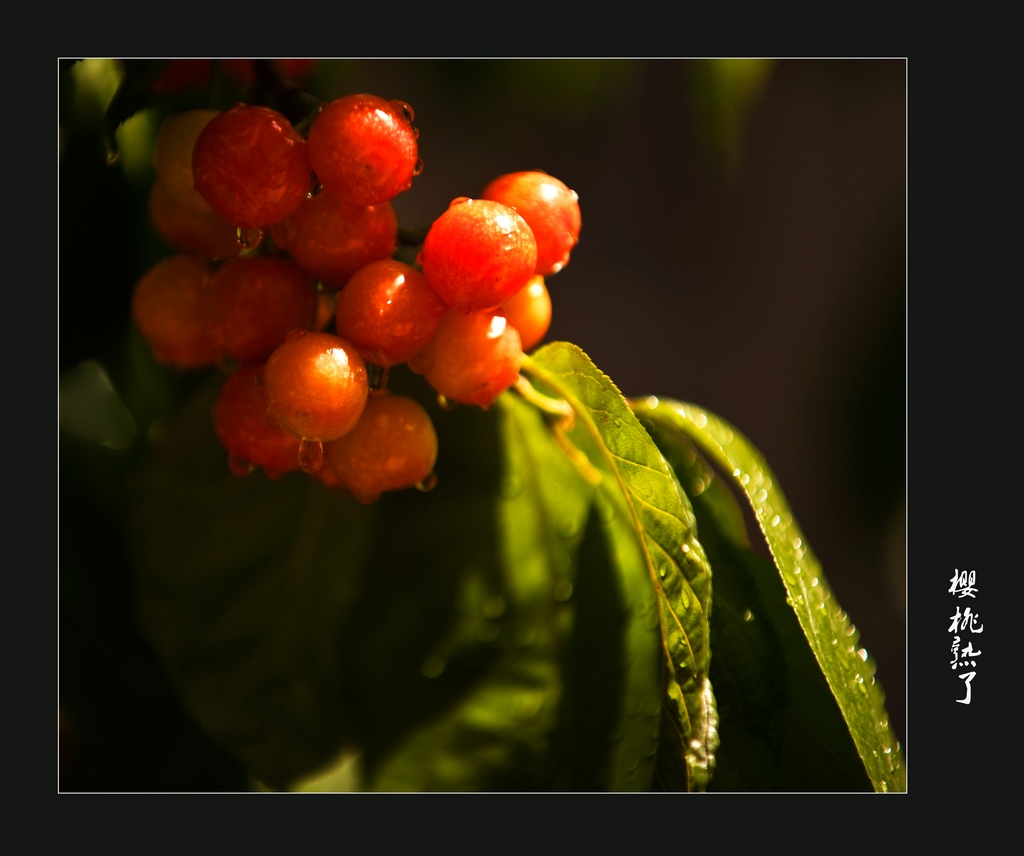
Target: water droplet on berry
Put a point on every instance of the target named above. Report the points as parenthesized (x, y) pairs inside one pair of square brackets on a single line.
[(295, 335), (311, 455), (404, 109), (427, 484), (249, 239), (446, 403), (240, 467), (459, 200)]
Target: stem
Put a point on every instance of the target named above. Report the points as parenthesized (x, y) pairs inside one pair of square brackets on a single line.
[(558, 407), (564, 419)]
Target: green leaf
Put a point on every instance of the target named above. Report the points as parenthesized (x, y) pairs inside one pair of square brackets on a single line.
[(833, 640), (416, 644), (134, 93), (610, 444), (780, 726), (507, 634), (725, 94), (241, 585)]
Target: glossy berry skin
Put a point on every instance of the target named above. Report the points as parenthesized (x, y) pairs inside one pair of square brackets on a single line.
[(316, 385), (255, 302), (551, 209), (331, 239), (169, 306), (239, 420), (477, 254), (250, 164), (472, 358), (388, 312), (529, 310), (363, 148), (392, 447)]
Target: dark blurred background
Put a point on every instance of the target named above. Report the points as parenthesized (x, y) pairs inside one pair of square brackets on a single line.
[(743, 248)]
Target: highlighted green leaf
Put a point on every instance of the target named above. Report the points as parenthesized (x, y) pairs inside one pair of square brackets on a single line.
[(640, 487), (846, 666), (780, 726)]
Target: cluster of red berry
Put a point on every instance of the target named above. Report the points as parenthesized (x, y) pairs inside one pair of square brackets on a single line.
[(286, 278)]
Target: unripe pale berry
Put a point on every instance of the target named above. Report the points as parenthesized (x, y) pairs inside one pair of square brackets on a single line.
[(196, 229), (172, 154)]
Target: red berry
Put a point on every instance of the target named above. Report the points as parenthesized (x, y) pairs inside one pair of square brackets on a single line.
[(250, 164), (239, 419), (551, 209), (363, 148), (169, 307), (331, 239), (392, 447), (255, 302), (316, 385), (388, 312), (477, 254), (529, 309), (472, 358)]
